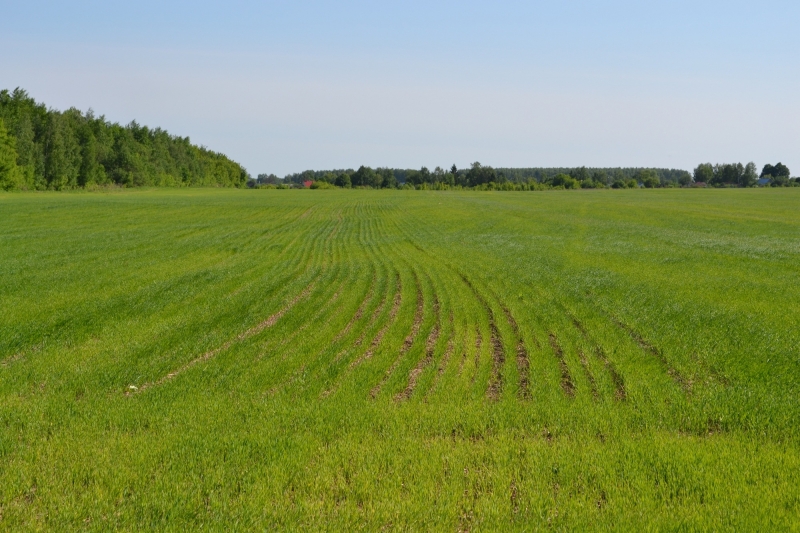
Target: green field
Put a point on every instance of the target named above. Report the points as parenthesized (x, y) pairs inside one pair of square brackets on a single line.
[(400, 360)]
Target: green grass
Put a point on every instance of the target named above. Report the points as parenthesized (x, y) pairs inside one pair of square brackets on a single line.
[(602, 360)]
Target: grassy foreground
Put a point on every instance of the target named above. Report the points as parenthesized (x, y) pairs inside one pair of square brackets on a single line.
[(388, 360)]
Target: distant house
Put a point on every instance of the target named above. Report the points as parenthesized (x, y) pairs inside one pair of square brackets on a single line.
[(699, 184), (763, 182), (307, 184)]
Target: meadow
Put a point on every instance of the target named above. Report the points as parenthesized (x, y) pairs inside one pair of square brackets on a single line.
[(400, 360)]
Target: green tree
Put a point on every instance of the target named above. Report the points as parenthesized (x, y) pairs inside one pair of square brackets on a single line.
[(479, 174), (10, 174), (388, 180), (365, 177), (64, 150), (580, 174), (704, 173), (648, 178), (779, 170), (778, 175), (425, 175), (749, 177), (566, 181), (343, 180), (728, 174), (30, 157), (600, 177), (91, 171)]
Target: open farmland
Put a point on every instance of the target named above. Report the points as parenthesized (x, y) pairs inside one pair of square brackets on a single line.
[(400, 360)]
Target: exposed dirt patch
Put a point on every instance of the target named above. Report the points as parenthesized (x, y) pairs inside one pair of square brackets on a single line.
[(19, 356), (567, 385), (495, 388), (430, 346), (466, 505), (514, 493), (268, 323), (523, 364), (511, 320), (12, 359), (407, 343)]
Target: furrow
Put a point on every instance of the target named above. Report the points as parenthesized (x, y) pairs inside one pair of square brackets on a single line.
[(430, 346), (478, 346), (523, 366), (448, 353), (567, 385), (322, 311), (269, 322), (379, 257), (376, 341), (523, 363), (495, 388), (407, 343), (587, 371), (616, 378), (344, 281), (652, 350), (359, 312)]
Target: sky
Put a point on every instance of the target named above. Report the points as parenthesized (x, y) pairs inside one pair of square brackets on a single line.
[(287, 86)]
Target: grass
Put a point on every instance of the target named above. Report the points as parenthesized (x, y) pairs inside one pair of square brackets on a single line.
[(340, 360)]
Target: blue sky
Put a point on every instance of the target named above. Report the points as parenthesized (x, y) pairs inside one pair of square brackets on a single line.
[(286, 86)]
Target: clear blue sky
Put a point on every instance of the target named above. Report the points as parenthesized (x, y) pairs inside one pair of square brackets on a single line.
[(286, 86)]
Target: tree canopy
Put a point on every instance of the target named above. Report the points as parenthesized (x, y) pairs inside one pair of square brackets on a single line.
[(70, 149)]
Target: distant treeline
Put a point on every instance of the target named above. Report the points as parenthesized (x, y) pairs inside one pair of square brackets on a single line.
[(485, 177), (43, 148)]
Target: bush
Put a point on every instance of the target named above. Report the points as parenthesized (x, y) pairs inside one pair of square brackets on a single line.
[(566, 181)]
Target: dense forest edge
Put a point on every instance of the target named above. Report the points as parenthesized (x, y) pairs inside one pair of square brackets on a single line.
[(47, 149)]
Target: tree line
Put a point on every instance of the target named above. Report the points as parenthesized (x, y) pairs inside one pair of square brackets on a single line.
[(738, 175), (46, 149), (485, 177)]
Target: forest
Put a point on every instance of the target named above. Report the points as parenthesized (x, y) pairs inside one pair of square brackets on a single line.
[(46, 149), (484, 177)]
